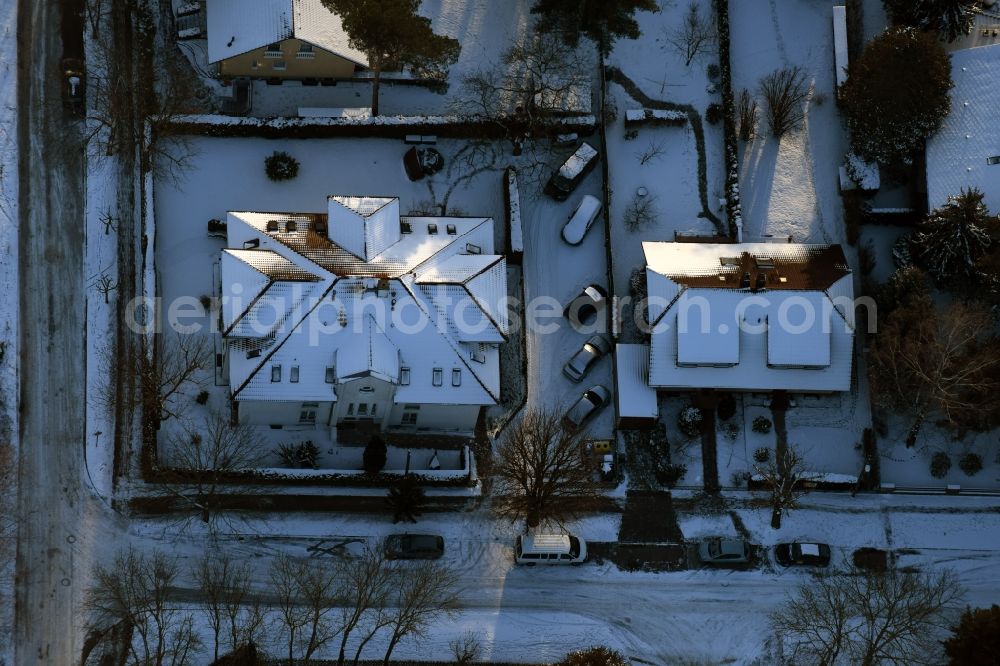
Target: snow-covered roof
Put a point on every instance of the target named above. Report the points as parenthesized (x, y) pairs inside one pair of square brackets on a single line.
[(840, 51), (235, 27), (636, 398), (754, 316), (342, 318), (959, 154)]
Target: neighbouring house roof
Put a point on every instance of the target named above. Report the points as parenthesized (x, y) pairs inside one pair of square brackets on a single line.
[(237, 26), (958, 154), (425, 314), (754, 316)]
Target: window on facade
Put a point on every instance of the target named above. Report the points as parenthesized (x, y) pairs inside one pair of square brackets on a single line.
[(279, 65), (350, 409), (274, 48), (275, 373), (255, 64), (438, 376), (363, 409), (409, 418), (374, 409), (331, 377), (293, 374), (305, 48), (456, 376), (404, 376), (308, 412)]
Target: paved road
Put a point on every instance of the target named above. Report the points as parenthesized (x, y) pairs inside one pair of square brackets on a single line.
[(51, 347)]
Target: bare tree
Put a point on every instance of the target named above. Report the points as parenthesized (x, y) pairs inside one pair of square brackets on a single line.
[(178, 366), (234, 616), (201, 464), (306, 592), (367, 581), (926, 362), (746, 113), (785, 92), (524, 93), (133, 592), (105, 285), (654, 151), (640, 212), (868, 618), (424, 593), (542, 472), (694, 37), (466, 649), (783, 476)]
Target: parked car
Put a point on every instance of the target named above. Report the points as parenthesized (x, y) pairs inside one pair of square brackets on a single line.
[(584, 308), (578, 366), (74, 87), (592, 401), (807, 554), (532, 549), (414, 546), (581, 220), (722, 551), (420, 161), (571, 172)]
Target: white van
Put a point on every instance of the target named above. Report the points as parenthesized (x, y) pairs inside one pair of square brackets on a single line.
[(532, 549), (581, 220)]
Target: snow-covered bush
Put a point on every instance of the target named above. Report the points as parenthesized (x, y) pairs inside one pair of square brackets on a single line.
[(304, 455), (279, 165), (940, 465), (689, 421), (670, 474), (971, 464), (864, 174), (712, 71), (740, 478), (762, 425), (202, 397), (731, 431), (713, 114), (762, 454), (955, 236)]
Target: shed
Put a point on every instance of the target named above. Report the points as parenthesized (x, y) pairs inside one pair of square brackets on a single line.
[(637, 404)]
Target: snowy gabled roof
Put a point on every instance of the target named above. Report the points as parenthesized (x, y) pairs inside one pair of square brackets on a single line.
[(958, 154), (750, 316), (238, 26), (367, 318)]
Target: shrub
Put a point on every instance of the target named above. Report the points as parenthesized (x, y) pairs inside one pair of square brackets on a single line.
[(206, 302), (689, 421), (713, 71), (940, 465), (971, 464), (670, 474), (785, 92), (762, 425), (740, 478), (202, 398), (713, 114), (406, 500), (280, 165), (195, 439), (374, 456), (595, 656), (762, 454), (731, 431), (304, 455), (726, 408)]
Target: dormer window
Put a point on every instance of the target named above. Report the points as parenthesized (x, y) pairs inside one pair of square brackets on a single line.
[(405, 228), (251, 244), (432, 229), (272, 225), (456, 376), (993, 160), (473, 249), (275, 373), (290, 225), (438, 377), (451, 229)]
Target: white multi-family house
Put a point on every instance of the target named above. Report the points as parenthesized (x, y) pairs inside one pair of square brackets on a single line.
[(361, 317), (744, 317)]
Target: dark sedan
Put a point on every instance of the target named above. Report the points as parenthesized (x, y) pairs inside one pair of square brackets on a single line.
[(414, 546), (803, 554)]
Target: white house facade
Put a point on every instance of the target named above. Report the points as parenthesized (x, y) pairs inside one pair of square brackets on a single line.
[(749, 317), (358, 317)]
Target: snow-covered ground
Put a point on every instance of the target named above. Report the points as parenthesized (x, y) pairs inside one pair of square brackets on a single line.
[(8, 317)]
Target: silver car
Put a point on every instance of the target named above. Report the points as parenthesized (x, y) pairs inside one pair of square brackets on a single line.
[(723, 551), (593, 349), (592, 401)]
